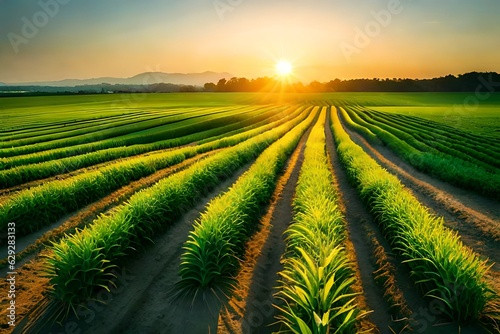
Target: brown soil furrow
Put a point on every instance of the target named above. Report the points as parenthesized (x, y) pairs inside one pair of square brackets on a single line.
[(423, 318), (477, 230), (30, 281), (250, 310), (143, 301), (366, 324), (359, 222)]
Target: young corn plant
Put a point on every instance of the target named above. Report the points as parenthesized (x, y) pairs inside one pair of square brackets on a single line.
[(315, 284), (81, 263), (446, 270), (317, 294), (212, 252)]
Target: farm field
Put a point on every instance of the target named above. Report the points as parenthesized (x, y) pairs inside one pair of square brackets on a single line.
[(251, 213)]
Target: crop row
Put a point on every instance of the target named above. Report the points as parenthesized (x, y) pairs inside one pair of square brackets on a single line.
[(445, 131), (446, 167), (353, 121), (39, 112), (213, 249), (81, 263), (316, 281), (22, 174), (480, 154), (177, 135), (446, 271), (69, 128), (42, 205), (141, 132), (14, 141), (61, 126)]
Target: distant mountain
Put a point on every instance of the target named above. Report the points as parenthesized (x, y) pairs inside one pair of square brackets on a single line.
[(147, 78)]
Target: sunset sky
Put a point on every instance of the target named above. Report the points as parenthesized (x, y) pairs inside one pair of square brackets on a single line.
[(324, 39)]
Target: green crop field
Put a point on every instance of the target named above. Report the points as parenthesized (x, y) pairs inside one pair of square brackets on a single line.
[(252, 212)]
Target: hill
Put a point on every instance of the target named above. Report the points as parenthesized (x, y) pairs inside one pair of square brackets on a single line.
[(146, 78)]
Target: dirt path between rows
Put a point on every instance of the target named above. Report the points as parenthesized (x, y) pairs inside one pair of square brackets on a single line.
[(359, 225), (251, 309), (143, 302), (361, 228), (475, 218), (30, 283)]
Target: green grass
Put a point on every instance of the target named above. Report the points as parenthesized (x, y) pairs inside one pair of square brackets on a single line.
[(26, 111), (477, 149), (355, 126), (66, 130), (52, 133), (138, 133), (181, 133), (447, 108), (60, 132)]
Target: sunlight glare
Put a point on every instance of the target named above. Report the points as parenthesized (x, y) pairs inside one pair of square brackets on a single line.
[(283, 68)]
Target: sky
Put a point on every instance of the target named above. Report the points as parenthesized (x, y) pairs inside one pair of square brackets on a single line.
[(43, 40)]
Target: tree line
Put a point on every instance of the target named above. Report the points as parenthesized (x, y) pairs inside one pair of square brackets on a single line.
[(468, 82)]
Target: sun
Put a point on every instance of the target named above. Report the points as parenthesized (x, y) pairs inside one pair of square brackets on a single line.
[(283, 68)]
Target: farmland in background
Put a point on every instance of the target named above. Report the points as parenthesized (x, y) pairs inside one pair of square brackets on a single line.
[(252, 213)]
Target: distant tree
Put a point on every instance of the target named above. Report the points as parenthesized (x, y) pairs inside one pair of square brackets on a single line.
[(221, 85), (210, 87), (187, 89), (468, 82), (263, 84), (332, 85), (232, 85), (316, 87), (297, 87)]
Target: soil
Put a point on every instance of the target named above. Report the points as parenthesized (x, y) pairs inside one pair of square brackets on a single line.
[(422, 318), (359, 224), (143, 300), (251, 309), (474, 217), (27, 245)]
